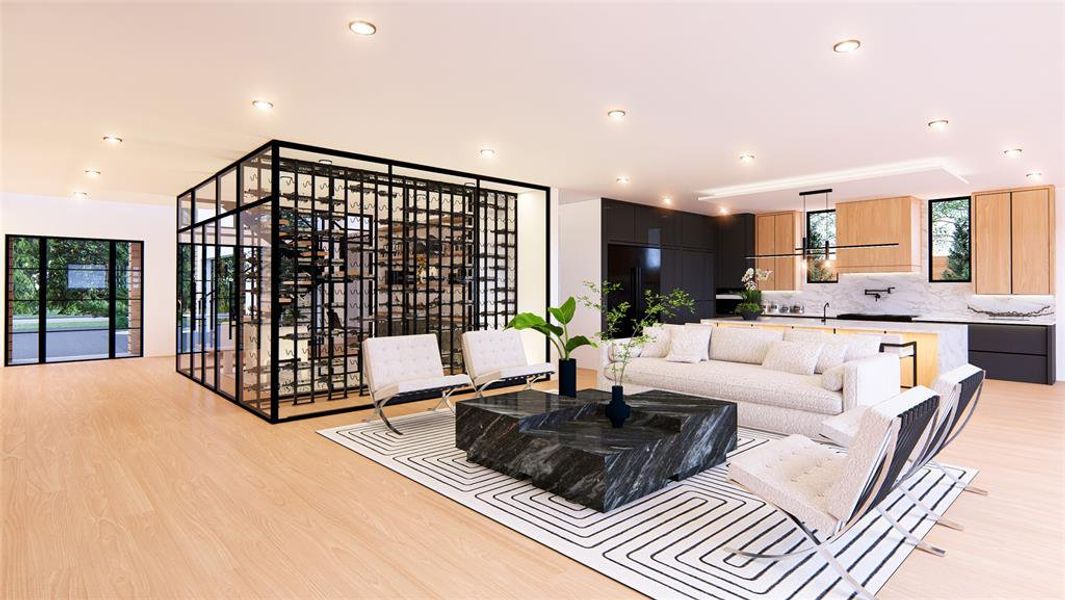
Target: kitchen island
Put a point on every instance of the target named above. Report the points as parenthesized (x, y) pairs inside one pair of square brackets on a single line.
[(940, 346)]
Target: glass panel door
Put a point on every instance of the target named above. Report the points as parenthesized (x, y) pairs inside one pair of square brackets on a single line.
[(23, 294), (198, 303), (225, 307), (78, 295)]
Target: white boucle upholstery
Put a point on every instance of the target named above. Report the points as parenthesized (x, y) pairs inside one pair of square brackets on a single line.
[(765, 399), (815, 483), (743, 344), (862, 345), (842, 428), (793, 357), (418, 385), (871, 380), (865, 448), (658, 344), (839, 348), (410, 360), (793, 474), (736, 381), (494, 354), (709, 337), (832, 379), (688, 344)]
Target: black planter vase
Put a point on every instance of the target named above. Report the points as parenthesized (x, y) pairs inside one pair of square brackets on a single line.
[(567, 377), (617, 411), (750, 315)]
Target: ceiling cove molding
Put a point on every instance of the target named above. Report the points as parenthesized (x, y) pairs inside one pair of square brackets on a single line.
[(830, 177)]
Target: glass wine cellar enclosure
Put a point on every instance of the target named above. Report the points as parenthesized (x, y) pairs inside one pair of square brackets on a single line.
[(292, 256)]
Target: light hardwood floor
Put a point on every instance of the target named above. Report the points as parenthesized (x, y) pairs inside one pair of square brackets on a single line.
[(124, 479)]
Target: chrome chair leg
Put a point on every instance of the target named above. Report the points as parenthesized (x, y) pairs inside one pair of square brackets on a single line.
[(921, 506), (379, 413), (445, 400), (824, 551), (919, 543), (957, 481)]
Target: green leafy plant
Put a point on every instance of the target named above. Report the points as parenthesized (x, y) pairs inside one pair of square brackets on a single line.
[(657, 307), (558, 335)]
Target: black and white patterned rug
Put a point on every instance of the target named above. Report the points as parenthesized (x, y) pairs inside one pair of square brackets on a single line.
[(666, 545)]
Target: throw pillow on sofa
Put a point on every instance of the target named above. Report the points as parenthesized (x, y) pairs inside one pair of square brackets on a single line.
[(658, 344), (862, 345), (793, 357), (743, 344), (832, 355), (832, 379), (709, 336), (688, 344)]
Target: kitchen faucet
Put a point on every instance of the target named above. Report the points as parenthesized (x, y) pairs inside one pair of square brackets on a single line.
[(824, 314)]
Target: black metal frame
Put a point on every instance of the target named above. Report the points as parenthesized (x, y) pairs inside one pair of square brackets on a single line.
[(910, 344), (42, 300), (827, 249), (489, 219), (929, 240)]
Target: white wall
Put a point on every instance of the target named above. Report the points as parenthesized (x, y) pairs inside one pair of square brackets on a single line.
[(532, 266), (580, 260), (152, 223)]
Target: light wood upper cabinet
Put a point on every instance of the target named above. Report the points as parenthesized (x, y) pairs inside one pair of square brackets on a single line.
[(879, 221), (991, 243), (778, 233), (1013, 241)]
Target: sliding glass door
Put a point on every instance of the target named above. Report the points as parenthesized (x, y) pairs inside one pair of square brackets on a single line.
[(72, 299)]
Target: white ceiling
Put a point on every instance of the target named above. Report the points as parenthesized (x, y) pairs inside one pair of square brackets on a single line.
[(702, 84)]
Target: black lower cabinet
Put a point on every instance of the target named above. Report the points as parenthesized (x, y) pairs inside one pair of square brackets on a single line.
[(1022, 353)]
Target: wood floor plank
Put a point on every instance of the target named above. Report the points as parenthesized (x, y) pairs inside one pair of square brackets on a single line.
[(122, 479)]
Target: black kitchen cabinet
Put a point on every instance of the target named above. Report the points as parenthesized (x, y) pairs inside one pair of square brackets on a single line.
[(697, 231), (693, 272), (1014, 352), (734, 242), (618, 221)]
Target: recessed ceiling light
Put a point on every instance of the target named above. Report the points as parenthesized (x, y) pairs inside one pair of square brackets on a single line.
[(623, 179), (263, 104), (1034, 175), (746, 157), (325, 161), (92, 172), (81, 195), (939, 124), (617, 114), (362, 28), (112, 139), (487, 152), (723, 210), (846, 46), (667, 200), (1012, 152)]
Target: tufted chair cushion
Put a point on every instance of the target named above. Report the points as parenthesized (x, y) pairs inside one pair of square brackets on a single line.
[(794, 474), (863, 457), (394, 359), (492, 350)]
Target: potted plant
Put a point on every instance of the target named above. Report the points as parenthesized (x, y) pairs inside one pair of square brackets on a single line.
[(750, 306), (657, 307), (559, 336)]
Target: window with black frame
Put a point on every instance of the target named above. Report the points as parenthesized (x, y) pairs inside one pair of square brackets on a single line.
[(820, 237), (949, 256), (72, 299)]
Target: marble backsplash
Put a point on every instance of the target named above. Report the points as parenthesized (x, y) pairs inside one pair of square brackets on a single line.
[(913, 295)]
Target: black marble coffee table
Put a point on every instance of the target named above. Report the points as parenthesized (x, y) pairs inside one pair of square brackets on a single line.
[(568, 447)]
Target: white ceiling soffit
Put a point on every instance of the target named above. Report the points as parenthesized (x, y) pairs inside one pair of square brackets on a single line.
[(815, 180)]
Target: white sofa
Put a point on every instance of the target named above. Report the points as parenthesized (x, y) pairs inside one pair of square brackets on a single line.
[(766, 398)]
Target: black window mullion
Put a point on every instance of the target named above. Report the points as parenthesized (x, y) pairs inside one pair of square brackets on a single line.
[(42, 299), (111, 283)]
